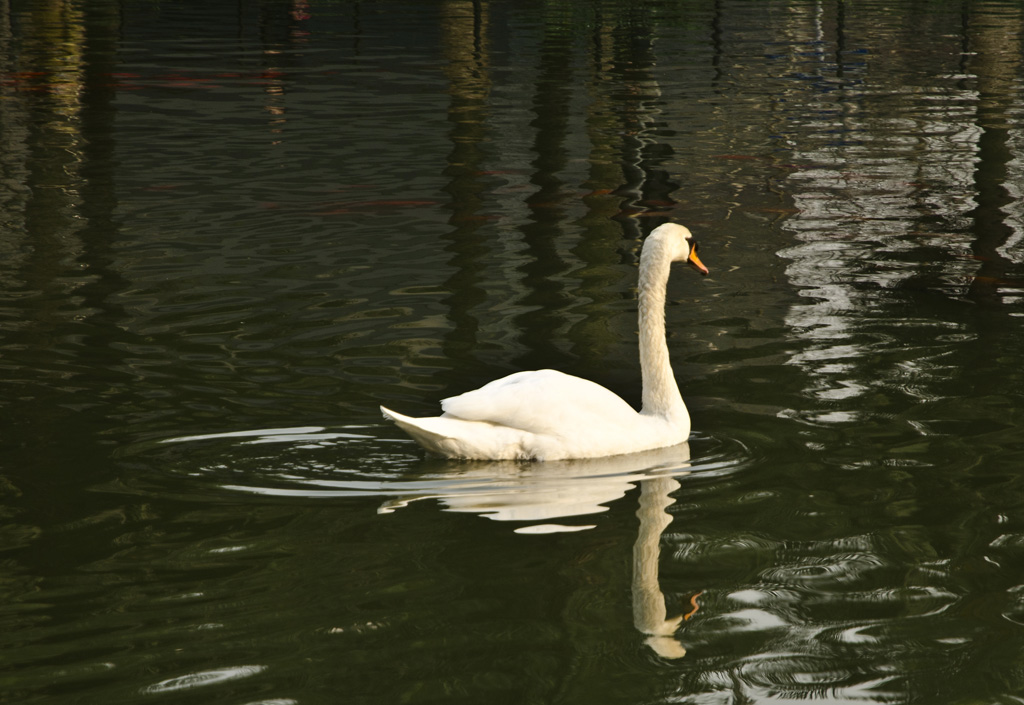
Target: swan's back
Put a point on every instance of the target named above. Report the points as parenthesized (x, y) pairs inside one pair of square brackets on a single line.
[(544, 402)]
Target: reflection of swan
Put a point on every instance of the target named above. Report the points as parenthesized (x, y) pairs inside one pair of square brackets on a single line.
[(548, 415), (538, 492), (508, 491), (650, 616)]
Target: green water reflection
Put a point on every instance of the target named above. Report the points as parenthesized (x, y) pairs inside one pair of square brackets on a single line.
[(229, 231)]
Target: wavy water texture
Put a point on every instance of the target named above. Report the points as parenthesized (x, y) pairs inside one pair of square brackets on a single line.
[(229, 231)]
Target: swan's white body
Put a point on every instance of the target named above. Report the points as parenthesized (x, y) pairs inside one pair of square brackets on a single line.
[(548, 415)]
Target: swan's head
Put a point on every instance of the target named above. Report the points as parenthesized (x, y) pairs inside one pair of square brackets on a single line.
[(680, 244)]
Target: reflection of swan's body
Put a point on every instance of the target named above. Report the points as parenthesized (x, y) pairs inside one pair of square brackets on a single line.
[(508, 491), (548, 415), (541, 492)]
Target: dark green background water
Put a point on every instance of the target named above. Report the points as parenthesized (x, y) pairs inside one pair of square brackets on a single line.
[(228, 231)]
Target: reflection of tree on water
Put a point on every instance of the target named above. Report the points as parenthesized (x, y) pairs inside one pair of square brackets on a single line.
[(884, 201), (998, 226), (58, 200), (521, 260), (465, 45)]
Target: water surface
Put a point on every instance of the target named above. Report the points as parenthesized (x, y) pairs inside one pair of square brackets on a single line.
[(229, 232)]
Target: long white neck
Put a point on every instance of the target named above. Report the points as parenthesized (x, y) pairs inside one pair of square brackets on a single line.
[(661, 394)]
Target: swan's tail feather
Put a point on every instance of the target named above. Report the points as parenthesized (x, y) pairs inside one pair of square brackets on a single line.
[(420, 430), (458, 438)]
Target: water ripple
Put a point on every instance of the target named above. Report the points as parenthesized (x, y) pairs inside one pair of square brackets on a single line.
[(203, 678), (314, 462)]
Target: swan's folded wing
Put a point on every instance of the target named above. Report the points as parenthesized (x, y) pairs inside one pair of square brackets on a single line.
[(542, 402)]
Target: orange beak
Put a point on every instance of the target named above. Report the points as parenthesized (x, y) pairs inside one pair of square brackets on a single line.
[(694, 261)]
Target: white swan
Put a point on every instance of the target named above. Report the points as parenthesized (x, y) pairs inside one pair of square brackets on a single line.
[(548, 415)]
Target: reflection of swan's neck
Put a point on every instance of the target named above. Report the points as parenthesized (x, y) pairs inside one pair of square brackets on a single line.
[(660, 393), (650, 614)]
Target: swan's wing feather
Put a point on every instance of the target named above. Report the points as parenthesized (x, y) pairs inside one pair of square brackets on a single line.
[(541, 402)]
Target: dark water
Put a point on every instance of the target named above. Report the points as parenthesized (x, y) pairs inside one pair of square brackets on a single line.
[(228, 231)]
